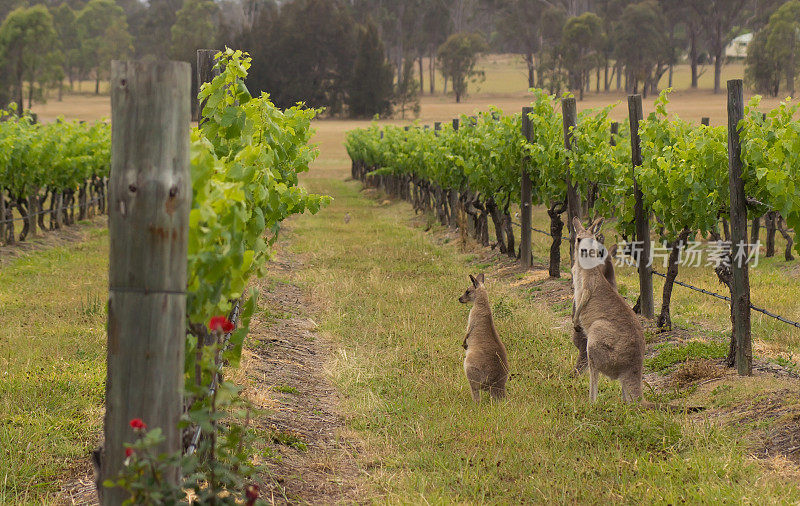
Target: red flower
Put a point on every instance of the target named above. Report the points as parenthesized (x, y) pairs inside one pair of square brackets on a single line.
[(128, 452), (220, 323), (251, 492), (137, 423)]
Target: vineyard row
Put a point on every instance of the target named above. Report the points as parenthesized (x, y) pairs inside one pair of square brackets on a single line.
[(586, 165)]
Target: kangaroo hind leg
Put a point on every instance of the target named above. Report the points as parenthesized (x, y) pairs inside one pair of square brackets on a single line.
[(594, 378)]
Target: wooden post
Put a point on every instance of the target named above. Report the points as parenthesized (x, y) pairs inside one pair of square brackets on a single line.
[(149, 200), (455, 124), (641, 217), (205, 74), (437, 125), (2, 215), (740, 288), (526, 208), (570, 114), (614, 131), (705, 121)]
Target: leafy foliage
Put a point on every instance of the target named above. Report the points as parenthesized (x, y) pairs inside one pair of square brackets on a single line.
[(61, 155), (245, 158)]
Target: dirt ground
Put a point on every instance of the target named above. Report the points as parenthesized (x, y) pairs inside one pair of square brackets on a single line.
[(311, 455)]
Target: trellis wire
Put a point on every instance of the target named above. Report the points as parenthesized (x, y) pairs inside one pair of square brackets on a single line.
[(234, 317), (701, 290)]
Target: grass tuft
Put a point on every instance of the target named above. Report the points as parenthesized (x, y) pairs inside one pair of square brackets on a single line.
[(670, 354)]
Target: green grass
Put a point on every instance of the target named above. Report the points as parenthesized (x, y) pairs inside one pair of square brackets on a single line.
[(389, 296), (290, 440), (670, 354), (52, 365), (286, 389)]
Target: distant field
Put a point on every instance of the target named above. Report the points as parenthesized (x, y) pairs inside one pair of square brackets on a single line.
[(505, 86), (507, 74)]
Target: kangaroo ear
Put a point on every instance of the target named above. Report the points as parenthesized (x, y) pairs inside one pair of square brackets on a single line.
[(474, 281), (576, 223), (597, 225), (481, 278)]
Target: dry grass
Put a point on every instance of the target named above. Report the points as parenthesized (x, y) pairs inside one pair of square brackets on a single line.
[(696, 370)]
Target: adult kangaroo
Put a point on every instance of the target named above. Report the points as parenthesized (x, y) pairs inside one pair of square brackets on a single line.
[(614, 337)]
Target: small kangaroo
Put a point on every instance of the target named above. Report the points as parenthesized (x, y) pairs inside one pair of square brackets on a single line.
[(578, 336), (614, 338), (485, 363)]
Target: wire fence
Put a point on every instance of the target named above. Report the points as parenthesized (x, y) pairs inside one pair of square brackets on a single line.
[(212, 388), (701, 290)]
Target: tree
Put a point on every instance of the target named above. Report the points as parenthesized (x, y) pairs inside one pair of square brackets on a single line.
[(154, 27), (436, 28), (718, 18), (783, 32), (370, 90), (104, 36), (550, 69), (762, 70), (582, 43), (304, 52), (457, 59), (27, 37), (195, 28), (773, 52), (693, 27), (519, 27), (641, 41), (406, 95), (65, 24)]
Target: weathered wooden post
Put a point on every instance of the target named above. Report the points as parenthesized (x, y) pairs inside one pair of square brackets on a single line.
[(570, 115), (2, 215), (205, 74), (740, 287), (526, 206), (705, 121), (149, 200), (641, 217), (614, 131)]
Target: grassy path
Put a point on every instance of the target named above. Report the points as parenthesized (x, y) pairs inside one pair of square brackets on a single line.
[(52, 365), (389, 296)]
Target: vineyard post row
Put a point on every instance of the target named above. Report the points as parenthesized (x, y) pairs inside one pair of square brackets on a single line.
[(549, 143), (150, 196), (738, 214)]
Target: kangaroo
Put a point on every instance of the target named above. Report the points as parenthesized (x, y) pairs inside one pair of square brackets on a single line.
[(614, 338), (578, 335), (485, 363)]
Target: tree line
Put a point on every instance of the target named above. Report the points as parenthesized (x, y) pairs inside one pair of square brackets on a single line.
[(367, 57)]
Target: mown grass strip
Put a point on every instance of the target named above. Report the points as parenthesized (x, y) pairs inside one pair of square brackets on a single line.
[(52, 365)]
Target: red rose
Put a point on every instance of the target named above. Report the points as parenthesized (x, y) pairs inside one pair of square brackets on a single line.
[(220, 323), (137, 423), (128, 452), (251, 492)]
